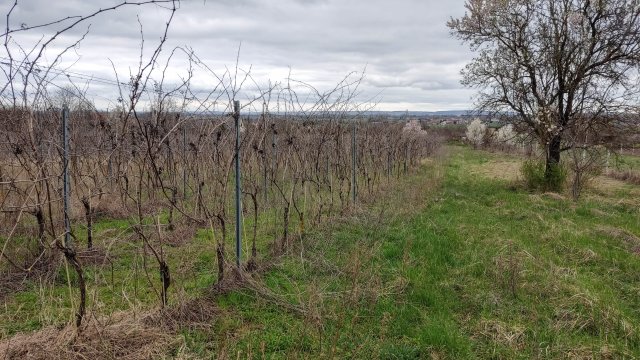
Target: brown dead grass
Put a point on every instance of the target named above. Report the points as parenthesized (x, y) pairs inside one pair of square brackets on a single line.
[(606, 189), (181, 235), (606, 184), (127, 339), (13, 280), (499, 332), (123, 336), (554, 196), (630, 240), (11, 283), (508, 170), (94, 256), (110, 209), (584, 313), (628, 176)]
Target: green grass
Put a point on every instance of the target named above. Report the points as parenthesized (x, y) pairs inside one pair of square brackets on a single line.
[(479, 268), (626, 162), (451, 264)]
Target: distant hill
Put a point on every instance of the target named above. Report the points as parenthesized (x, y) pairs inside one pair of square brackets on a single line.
[(386, 114), (423, 113)]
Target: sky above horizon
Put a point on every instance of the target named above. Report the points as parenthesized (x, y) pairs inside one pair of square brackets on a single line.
[(409, 59)]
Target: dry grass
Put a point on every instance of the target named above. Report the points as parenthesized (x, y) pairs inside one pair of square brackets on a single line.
[(13, 280), (512, 336), (93, 256), (607, 185), (554, 196), (111, 208), (126, 339), (510, 170), (11, 283), (630, 240), (584, 313), (508, 264), (589, 353), (500, 170), (151, 335), (628, 176), (181, 235), (607, 190)]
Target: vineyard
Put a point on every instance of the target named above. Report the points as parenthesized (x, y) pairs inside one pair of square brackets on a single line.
[(158, 203), (169, 175), (187, 182)]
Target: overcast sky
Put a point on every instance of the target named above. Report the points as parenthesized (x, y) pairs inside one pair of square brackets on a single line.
[(411, 60)]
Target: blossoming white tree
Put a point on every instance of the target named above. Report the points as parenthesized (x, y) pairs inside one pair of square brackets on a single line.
[(414, 129), (506, 136), (475, 133)]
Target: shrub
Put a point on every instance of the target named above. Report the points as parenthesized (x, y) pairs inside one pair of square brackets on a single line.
[(413, 129), (476, 132), (533, 172), (506, 136), (585, 165)]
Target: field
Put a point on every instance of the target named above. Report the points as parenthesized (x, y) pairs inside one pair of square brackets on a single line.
[(454, 260)]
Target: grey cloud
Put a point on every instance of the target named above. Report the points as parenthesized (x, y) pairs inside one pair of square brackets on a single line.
[(404, 44)]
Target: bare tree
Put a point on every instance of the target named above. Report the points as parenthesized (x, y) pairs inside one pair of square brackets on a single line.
[(558, 65)]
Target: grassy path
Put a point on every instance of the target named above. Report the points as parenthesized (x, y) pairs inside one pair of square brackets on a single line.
[(456, 264), (540, 276)]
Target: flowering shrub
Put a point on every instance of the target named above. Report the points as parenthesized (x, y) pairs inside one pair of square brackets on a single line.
[(413, 129), (506, 136), (475, 133)]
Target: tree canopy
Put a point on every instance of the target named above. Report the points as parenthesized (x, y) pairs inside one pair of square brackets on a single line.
[(565, 68)]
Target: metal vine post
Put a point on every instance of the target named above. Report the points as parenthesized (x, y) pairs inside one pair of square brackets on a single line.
[(353, 162), (65, 174), (236, 117)]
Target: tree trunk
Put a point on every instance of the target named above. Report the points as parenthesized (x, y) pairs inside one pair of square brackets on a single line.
[(251, 266), (166, 282), (220, 249), (553, 158), (285, 233), (39, 214), (88, 213)]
